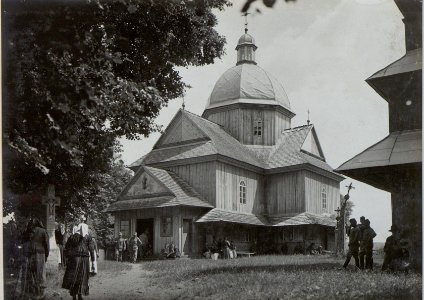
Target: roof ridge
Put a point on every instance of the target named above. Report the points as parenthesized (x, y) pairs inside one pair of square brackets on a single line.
[(298, 127)]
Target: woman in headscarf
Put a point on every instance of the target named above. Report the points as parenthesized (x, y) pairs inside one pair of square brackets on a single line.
[(78, 250)]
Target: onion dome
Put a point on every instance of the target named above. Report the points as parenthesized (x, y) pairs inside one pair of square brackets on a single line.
[(246, 82)]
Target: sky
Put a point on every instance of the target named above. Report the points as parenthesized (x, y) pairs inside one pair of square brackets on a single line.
[(321, 52)]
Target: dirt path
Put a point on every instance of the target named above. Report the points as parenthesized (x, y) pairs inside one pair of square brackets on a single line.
[(129, 284)]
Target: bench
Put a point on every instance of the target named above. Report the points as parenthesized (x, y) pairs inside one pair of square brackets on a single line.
[(242, 253)]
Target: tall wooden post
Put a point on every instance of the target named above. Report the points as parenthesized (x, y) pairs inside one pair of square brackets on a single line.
[(340, 226), (51, 201)]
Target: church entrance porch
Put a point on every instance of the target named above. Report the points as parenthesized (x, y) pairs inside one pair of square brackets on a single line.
[(164, 225)]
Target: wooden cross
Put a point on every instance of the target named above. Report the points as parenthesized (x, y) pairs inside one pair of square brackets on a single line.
[(350, 187), (308, 117), (51, 200), (245, 21)]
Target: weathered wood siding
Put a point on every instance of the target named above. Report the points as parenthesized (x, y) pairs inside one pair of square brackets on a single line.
[(200, 176), (177, 214), (314, 184), (285, 193), (282, 122), (228, 189), (240, 124)]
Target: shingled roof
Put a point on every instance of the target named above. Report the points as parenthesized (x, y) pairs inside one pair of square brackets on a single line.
[(219, 215), (220, 142), (287, 151), (399, 147), (307, 218), (180, 194)]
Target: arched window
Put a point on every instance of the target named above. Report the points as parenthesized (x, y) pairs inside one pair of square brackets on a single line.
[(257, 128), (324, 198), (242, 192)]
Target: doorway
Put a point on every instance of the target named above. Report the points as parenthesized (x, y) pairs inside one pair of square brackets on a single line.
[(146, 226), (186, 238)]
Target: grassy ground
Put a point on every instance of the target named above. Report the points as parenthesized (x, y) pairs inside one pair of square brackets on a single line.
[(262, 277), (275, 277)]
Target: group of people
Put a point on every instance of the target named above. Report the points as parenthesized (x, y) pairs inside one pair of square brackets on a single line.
[(361, 244), (137, 246), (361, 247), (78, 255), (223, 248)]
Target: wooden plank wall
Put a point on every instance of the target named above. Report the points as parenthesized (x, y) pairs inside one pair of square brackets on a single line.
[(177, 214), (282, 122), (313, 186), (228, 189), (200, 176), (285, 193), (229, 119), (240, 124)]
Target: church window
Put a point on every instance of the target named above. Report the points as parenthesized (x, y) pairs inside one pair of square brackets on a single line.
[(166, 226), (144, 183), (124, 227), (242, 192), (257, 130), (324, 198)]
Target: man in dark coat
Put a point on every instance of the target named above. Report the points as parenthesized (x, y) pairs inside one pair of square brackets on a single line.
[(353, 232), (366, 245), (392, 248)]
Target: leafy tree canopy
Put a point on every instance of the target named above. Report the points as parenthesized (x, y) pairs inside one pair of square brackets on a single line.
[(79, 74)]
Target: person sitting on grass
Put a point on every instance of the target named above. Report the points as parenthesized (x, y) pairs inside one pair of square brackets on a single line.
[(311, 249), (170, 251)]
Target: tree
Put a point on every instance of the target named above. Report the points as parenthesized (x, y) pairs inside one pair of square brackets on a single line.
[(79, 74), (109, 187)]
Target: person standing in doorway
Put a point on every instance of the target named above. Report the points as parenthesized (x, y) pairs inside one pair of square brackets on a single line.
[(144, 243)]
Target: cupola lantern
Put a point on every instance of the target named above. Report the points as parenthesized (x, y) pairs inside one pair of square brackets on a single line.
[(246, 49)]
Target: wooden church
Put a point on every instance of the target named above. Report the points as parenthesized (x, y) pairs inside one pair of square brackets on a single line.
[(238, 171)]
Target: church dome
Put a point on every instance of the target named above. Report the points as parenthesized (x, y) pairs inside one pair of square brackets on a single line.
[(246, 39), (247, 83)]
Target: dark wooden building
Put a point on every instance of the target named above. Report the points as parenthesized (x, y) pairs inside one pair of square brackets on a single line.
[(238, 171), (394, 163)]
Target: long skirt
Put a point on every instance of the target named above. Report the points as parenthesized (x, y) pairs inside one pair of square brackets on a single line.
[(25, 280), (76, 275)]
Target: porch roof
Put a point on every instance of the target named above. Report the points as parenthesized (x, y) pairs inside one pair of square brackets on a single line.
[(156, 202), (308, 219), (219, 215), (400, 147)]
